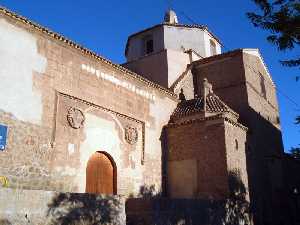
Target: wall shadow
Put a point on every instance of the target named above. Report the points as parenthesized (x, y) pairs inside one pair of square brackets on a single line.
[(85, 209), (164, 211), (264, 154), (164, 161), (5, 222)]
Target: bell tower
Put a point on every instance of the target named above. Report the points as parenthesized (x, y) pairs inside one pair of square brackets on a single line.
[(171, 17), (163, 52)]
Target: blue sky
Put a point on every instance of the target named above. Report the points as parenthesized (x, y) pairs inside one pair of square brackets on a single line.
[(103, 26)]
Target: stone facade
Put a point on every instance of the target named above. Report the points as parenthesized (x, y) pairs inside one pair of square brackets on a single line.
[(220, 142), (44, 151)]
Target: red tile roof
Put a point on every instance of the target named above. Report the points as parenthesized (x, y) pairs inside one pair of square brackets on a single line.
[(190, 107)]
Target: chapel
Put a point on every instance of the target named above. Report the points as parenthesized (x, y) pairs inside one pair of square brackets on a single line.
[(178, 119)]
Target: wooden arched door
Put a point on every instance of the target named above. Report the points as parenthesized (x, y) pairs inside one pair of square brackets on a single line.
[(101, 174)]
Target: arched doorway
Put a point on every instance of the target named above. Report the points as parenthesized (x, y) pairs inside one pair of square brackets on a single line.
[(101, 174)]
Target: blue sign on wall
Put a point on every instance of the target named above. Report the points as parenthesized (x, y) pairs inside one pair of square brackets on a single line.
[(3, 136)]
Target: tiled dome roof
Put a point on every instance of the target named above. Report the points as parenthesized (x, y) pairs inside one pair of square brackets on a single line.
[(196, 105)]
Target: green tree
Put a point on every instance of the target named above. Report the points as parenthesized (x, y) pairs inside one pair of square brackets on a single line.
[(298, 120), (282, 19), (295, 152)]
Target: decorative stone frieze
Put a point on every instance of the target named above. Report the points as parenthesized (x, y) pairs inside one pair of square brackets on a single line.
[(75, 118), (131, 134)]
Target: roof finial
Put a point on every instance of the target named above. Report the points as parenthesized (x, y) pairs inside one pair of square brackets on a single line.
[(206, 88), (182, 96), (171, 17)]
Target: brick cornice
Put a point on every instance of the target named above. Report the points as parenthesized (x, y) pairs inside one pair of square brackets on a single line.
[(199, 120)]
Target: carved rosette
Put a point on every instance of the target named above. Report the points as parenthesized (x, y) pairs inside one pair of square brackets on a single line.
[(75, 118), (131, 134)]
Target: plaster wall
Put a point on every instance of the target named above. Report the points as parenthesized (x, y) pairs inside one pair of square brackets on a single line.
[(180, 39), (19, 53), (207, 45), (177, 65), (153, 67), (136, 45), (163, 68), (185, 83)]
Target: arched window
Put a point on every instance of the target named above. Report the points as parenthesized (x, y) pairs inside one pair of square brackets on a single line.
[(213, 47), (236, 145), (263, 86), (101, 174)]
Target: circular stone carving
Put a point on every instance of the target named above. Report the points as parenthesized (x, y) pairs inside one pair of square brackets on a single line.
[(75, 118), (131, 135)]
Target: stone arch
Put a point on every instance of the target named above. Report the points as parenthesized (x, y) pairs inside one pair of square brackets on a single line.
[(101, 174)]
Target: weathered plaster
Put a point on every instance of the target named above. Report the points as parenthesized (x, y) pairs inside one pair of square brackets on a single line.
[(19, 58), (101, 135)]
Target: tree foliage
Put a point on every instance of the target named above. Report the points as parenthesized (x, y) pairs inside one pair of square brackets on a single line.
[(295, 152), (298, 120), (282, 19)]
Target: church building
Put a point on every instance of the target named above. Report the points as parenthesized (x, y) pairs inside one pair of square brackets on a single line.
[(179, 117)]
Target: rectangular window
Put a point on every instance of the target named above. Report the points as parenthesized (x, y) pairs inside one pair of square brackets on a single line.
[(147, 45)]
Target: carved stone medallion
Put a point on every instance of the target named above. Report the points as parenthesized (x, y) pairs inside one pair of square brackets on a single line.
[(75, 118), (131, 134)]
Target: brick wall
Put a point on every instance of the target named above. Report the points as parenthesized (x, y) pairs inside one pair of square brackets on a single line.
[(195, 146), (236, 79)]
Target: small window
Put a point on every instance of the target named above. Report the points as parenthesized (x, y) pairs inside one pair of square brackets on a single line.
[(236, 145), (149, 46), (213, 47), (263, 86)]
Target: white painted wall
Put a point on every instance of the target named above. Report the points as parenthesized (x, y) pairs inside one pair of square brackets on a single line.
[(177, 64), (177, 38), (19, 59), (207, 38), (136, 43)]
